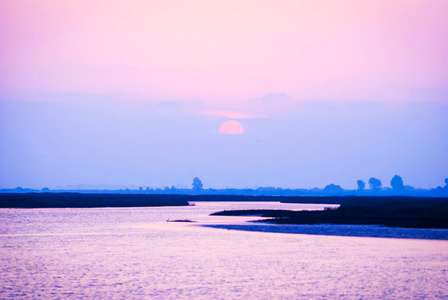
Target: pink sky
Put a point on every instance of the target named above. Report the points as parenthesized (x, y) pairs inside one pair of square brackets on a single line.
[(134, 92), (226, 51)]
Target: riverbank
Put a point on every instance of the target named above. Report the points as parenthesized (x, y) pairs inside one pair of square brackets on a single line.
[(77, 200), (61, 200), (385, 211)]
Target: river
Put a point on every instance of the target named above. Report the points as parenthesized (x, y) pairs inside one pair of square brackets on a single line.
[(133, 253)]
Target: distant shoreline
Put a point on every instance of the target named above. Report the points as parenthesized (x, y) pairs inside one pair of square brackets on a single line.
[(438, 192), (390, 212), (82, 200), (78, 200)]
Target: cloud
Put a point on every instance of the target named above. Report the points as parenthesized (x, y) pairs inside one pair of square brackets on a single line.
[(229, 114)]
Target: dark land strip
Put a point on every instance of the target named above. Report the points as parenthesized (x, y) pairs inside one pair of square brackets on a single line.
[(77, 200), (404, 212), (63, 200)]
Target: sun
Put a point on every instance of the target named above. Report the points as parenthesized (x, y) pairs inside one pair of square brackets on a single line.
[(231, 127)]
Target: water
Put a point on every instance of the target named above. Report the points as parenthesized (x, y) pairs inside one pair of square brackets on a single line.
[(134, 253)]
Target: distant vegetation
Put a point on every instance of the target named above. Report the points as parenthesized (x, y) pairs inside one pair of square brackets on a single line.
[(398, 188)]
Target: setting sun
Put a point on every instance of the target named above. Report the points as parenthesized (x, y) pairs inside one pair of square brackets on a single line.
[(231, 127)]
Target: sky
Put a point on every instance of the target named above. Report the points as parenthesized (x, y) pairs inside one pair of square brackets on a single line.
[(134, 93)]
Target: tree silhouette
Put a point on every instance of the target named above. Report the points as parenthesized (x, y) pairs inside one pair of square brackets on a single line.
[(197, 184), (361, 185), (397, 183), (374, 183), (333, 189)]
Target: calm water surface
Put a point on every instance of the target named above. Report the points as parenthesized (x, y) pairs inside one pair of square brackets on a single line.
[(133, 253)]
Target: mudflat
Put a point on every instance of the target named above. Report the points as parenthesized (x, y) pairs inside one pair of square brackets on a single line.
[(387, 211)]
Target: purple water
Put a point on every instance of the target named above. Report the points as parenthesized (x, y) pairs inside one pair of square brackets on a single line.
[(134, 253)]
